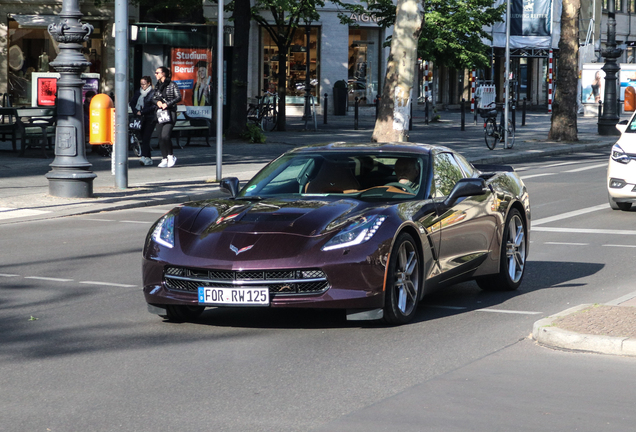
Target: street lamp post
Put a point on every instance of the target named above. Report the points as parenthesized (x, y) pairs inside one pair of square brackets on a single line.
[(609, 118), (70, 175)]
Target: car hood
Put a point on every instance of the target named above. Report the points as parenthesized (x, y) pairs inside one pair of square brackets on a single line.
[(303, 217)]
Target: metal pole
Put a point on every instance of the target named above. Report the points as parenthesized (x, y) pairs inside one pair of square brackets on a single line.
[(523, 113), (70, 176), (463, 114), (609, 119), (219, 91), (121, 94), (307, 115), (324, 110), (507, 80), (355, 115)]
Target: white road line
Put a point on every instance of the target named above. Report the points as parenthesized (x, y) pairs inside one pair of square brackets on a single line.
[(100, 220), (447, 307), (585, 231), (137, 222), (567, 244), (158, 211), (603, 165), (537, 175), (8, 275), (561, 164), (623, 246), (48, 279), (10, 213), (509, 311), (569, 214), (107, 284)]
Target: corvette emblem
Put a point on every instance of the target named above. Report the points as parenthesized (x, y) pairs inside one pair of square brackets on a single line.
[(238, 251)]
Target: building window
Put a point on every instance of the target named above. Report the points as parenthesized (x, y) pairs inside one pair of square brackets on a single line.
[(364, 54), (296, 63), (618, 6), (631, 6)]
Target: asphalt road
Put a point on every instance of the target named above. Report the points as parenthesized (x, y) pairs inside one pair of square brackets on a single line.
[(79, 352)]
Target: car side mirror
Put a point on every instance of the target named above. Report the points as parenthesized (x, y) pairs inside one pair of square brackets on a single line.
[(230, 185), (622, 126), (464, 188)]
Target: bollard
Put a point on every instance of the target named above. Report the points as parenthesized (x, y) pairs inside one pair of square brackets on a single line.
[(426, 110), (514, 116), (463, 114), (355, 115), (377, 105), (475, 116), (600, 110), (523, 113), (411, 118), (325, 109)]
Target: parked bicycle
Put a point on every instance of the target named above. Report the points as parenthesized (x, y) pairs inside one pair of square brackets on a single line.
[(494, 132), (264, 113)]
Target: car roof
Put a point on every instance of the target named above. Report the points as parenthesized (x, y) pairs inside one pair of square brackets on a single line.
[(400, 147)]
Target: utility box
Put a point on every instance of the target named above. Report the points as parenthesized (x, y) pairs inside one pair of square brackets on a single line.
[(630, 99), (101, 120)]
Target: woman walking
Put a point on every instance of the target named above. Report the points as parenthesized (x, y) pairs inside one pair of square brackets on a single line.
[(143, 106), (166, 97)]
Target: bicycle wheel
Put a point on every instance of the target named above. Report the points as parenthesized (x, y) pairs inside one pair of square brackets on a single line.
[(252, 114), (511, 134), (135, 145), (269, 121), (490, 134)]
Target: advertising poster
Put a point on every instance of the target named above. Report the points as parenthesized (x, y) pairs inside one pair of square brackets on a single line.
[(592, 83), (192, 72), (530, 17), (47, 89)]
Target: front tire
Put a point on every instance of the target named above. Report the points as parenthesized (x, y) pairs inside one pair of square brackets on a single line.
[(512, 259), (177, 313), (490, 133), (403, 281), (624, 206)]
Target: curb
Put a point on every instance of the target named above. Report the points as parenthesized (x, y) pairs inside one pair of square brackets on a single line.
[(547, 334), (574, 148)]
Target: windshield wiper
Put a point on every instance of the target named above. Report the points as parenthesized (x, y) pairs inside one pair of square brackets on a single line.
[(248, 198)]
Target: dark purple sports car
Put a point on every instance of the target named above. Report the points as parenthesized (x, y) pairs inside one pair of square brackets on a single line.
[(366, 228)]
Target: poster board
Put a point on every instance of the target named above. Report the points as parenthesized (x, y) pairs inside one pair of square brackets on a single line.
[(192, 72), (592, 83), (44, 87)]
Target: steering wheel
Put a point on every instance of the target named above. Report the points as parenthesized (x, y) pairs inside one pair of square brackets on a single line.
[(402, 186)]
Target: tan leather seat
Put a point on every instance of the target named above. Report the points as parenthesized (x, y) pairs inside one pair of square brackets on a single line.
[(334, 178)]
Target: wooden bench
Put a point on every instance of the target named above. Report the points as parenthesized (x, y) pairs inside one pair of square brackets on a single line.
[(192, 126), (9, 125), (37, 127)]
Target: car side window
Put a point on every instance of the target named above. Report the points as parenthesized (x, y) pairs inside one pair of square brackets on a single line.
[(446, 173), (468, 169)]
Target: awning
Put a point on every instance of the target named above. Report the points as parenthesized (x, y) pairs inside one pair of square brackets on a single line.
[(195, 36), (40, 21)]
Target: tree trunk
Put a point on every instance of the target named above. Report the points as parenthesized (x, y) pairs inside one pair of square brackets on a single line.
[(565, 107), (397, 94), (238, 87)]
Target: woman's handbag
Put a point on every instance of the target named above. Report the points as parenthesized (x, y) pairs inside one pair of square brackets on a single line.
[(163, 116)]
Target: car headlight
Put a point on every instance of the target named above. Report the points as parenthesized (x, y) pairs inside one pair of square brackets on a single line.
[(164, 231), (357, 233), (619, 155)]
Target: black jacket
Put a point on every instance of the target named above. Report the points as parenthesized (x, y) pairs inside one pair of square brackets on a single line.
[(169, 93), (150, 106)]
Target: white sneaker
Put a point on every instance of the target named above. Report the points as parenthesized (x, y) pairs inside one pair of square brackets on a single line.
[(147, 161), (163, 163), (171, 160)]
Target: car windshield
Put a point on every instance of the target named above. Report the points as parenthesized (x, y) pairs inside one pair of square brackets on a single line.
[(361, 175), (631, 127)]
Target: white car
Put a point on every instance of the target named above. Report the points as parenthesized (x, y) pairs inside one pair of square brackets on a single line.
[(621, 171)]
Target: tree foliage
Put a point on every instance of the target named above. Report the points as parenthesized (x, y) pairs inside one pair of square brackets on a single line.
[(452, 32)]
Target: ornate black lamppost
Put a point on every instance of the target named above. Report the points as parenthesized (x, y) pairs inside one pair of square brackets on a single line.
[(70, 176), (609, 118)]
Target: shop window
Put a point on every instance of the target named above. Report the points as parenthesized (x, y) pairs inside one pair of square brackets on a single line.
[(364, 47), (32, 49), (618, 6), (296, 65)]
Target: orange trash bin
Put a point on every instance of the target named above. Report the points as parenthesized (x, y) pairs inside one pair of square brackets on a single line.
[(630, 99), (101, 120)]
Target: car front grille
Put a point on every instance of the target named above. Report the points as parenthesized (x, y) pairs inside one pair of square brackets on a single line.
[(279, 282)]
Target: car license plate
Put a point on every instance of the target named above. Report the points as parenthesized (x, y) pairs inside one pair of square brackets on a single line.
[(253, 296)]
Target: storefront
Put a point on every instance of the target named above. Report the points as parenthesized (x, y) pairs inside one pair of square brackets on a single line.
[(30, 48)]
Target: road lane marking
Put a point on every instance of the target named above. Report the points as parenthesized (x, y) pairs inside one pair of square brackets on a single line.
[(509, 311), (604, 165), (585, 231), (100, 220), (137, 222), (49, 279), (569, 214), (107, 284), (8, 275), (567, 244), (10, 213), (537, 175), (617, 245)]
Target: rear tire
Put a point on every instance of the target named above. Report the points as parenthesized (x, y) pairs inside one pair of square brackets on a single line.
[(402, 292), (512, 259), (135, 145), (269, 121), (490, 133), (177, 313), (511, 134)]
